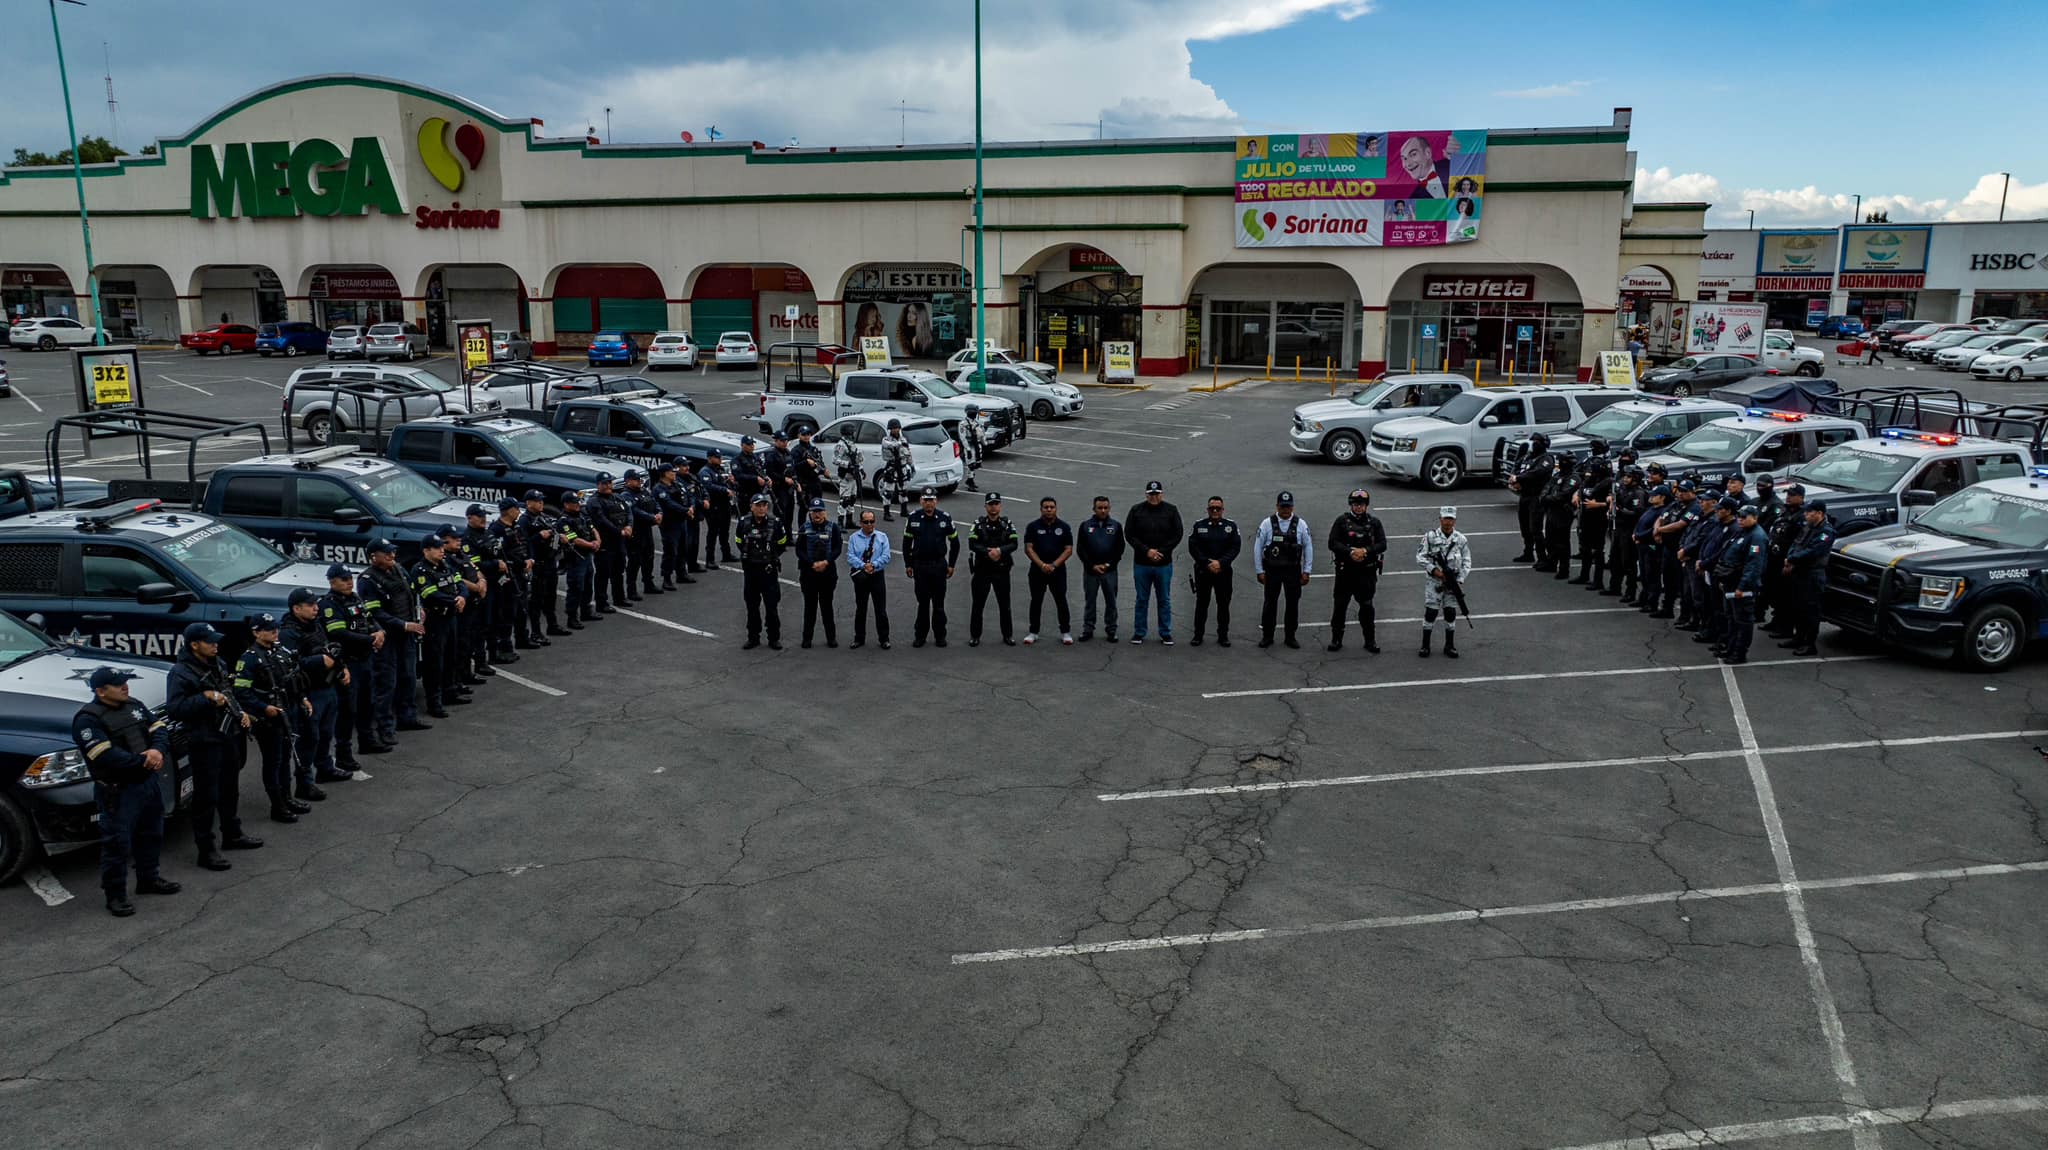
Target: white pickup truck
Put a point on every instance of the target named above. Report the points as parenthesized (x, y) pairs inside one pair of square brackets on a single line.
[(814, 400)]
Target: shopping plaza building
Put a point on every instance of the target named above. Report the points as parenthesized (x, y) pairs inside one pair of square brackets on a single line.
[(343, 199)]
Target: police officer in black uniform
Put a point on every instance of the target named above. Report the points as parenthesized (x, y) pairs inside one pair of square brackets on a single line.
[(474, 553), (1213, 545), (781, 480), (1806, 569), (718, 482), (387, 594), (266, 685), (1528, 483), (807, 465), (125, 747), (673, 501), (581, 546), (200, 698), (1556, 508), (321, 671), (761, 539), (1358, 552), (612, 518), (345, 620), (543, 535), (438, 588), (991, 552), (1048, 545), (1778, 590), (819, 542), (1625, 505), (643, 536), (512, 595), (931, 549), (1594, 501)]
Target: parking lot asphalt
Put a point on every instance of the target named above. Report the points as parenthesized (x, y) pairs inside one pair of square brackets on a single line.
[(1581, 888)]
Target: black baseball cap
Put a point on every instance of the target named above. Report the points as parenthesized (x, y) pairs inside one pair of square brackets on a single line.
[(992, 497), (534, 493), (476, 509), (302, 595), (928, 493), (263, 622), (382, 547), (760, 501), (817, 505), (507, 503), (1285, 499), (339, 571), (1153, 486), (110, 677), (569, 497), (202, 633), (434, 542)]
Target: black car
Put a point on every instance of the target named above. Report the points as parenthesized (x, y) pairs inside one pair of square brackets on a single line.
[(1698, 374)]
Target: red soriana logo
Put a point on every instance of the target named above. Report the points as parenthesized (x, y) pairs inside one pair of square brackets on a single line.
[(447, 169), (458, 217)]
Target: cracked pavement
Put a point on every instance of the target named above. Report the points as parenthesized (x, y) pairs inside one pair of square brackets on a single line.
[(709, 898)]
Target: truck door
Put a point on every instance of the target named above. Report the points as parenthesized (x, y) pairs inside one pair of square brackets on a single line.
[(864, 393), (477, 482), (31, 583), (257, 502), (584, 426), (110, 573), (316, 536)]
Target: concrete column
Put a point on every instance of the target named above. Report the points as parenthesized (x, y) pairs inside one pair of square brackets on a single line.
[(192, 314), (298, 308), (1966, 303), (832, 321), (540, 318), (416, 311), (678, 315), (1372, 348), (1597, 337)]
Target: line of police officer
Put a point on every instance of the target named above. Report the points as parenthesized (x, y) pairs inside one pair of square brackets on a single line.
[(1711, 561)]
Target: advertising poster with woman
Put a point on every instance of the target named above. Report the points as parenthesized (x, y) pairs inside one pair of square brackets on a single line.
[(1360, 189)]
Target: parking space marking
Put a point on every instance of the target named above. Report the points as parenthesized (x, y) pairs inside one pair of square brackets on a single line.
[(1064, 444), (1795, 905), (29, 399), (1419, 571), (1532, 677), (1914, 1114), (1502, 615), (183, 384), (1060, 459), (1028, 475), (670, 624), (529, 684), (264, 382), (46, 886), (1438, 506), (1565, 765), (1070, 428), (1485, 914)]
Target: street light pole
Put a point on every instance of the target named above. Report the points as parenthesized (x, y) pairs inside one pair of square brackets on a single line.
[(2001, 195), (980, 284), (92, 277), (1752, 219), (1857, 215)]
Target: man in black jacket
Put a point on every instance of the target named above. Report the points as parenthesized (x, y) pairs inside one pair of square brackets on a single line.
[(1099, 544), (200, 698), (1213, 545), (387, 594), (1358, 549), (345, 621), (125, 745), (1528, 482), (1154, 530), (818, 542), (267, 685), (991, 552)]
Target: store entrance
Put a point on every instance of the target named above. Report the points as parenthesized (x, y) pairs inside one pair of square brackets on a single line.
[(1081, 314)]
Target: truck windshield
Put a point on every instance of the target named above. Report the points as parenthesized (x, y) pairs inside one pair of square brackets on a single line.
[(669, 422), (222, 555), (18, 641), (1846, 468), (1990, 517), (532, 444), (1463, 408), (1612, 423), (399, 492), (1371, 395), (1716, 444), (940, 388)]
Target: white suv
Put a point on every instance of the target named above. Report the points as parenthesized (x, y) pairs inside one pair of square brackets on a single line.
[(1466, 434)]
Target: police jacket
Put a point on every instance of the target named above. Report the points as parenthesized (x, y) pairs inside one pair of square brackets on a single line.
[(268, 677), (114, 739), (717, 482), (437, 585), (674, 502), (186, 703), (1534, 475), (608, 513), (775, 465), (761, 540), (388, 596), (1352, 531), (1768, 508), (309, 644), (1214, 540), (578, 533), (1695, 531), (479, 555), (1594, 490), (1714, 540), (1629, 499), (991, 535), (807, 463), (1099, 541), (1564, 482), (511, 544), (1808, 554), (748, 478), (929, 540), (1743, 560), (1791, 521), (819, 541), (1645, 532), (1154, 529), (345, 620), (542, 535), (644, 506)]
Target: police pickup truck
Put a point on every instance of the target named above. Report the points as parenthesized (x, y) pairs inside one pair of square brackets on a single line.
[(129, 577), (809, 398), (1871, 482), (326, 505), (483, 458), (1967, 579), (641, 427), (47, 804), (1755, 441), (1647, 425)]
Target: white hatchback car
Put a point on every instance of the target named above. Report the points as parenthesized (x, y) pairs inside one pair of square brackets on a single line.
[(934, 455), (671, 349), (2026, 361), (737, 349), (1962, 355)]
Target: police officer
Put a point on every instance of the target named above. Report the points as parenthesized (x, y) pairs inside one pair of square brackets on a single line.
[(543, 535), (1214, 543), (807, 465), (749, 478), (973, 443), (1528, 483), (1650, 548), (199, 697), (931, 549), (469, 583), (1594, 501), (1743, 562), (642, 544), (438, 587), (321, 681), (690, 479), (1806, 569), (1778, 590), (1556, 506), (818, 544), (1099, 542), (672, 499), (1283, 557), (125, 747), (1358, 552), (580, 549), (266, 685), (761, 539), (474, 554), (387, 594), (991, 552), (613, 520), (781, 479), (512, 597), (1689, 541), (1625, 507), (718, 483), (345, 621), (1048, 544), (1674, 520), (1707, 574)]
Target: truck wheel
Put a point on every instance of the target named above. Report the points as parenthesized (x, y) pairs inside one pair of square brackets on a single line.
[(1993, 639), (17, 839), (1811, 370), (1442, 470), (1343, 447), (320, 427)]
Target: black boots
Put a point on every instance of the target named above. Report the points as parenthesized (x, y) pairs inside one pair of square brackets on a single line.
[(1450, 644), (1424, 652)]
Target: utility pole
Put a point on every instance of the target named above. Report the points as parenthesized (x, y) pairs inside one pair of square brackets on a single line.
[(113, 105), (1752, 219), (607, 123), (1856, 216), (2001, 195), (980, 282), (92, 276)]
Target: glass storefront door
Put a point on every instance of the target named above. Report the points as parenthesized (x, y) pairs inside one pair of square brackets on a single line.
[(1530, 338), (1245, 333)]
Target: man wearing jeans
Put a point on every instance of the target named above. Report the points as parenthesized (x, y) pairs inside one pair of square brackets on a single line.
[(1154, 530), (1099, 544)]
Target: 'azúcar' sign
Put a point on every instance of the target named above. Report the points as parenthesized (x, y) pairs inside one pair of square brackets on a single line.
[(277, 179)]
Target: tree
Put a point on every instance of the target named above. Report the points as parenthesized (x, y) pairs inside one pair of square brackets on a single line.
[(1883, 217), (91, 150)]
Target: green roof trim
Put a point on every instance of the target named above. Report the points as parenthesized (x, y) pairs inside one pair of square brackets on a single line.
[(1144, 227), (97, 213)]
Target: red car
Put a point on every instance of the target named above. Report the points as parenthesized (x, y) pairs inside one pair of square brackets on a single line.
[(224, 338)]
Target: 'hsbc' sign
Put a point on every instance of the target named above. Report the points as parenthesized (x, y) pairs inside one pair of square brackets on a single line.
[(1479, 287), (2006, 261)]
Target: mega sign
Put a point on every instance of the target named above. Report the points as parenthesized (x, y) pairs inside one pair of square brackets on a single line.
[(277, 179)]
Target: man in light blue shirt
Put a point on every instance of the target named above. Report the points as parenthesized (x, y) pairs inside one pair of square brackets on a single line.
[(867, 560)]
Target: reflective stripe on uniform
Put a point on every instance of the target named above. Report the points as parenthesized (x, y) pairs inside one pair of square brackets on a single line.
[(97, 749)]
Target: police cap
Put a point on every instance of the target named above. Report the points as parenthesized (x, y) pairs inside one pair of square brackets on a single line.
[(433, 542), (780, 436), (1796, 489), (1360, 495), (604, 477), (1153, 486), (928, 493), (507, 503), (1747, 511), (1765, 480), (263, 622), (301, 595), (633, 473), (449, 532), (572, 499), (202, 633), (109, 677), (1656, 469), (1820, 505), (1284, 499), (1662, 490), (664, 469), (534, 495), (745, 441), (992, 498), (817, 505), (339, 571), (382, 547), (475, 509), (1728, 503), (1687, 485), (760, 501)]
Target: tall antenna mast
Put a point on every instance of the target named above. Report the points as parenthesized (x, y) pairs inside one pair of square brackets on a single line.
[(113, 105)]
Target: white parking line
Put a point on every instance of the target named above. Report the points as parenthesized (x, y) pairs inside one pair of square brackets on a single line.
[(264, 382), (1506, 615), (1486, 914), (1914, 1114), (529, 684), (1462, 507), (183, 384), (1419, 571), (1569, 765), (1073, 427), (1530, 677), (29, 399), (1028, 475), (673, 626), (1068, 443), (46, 886), (1014, 453)]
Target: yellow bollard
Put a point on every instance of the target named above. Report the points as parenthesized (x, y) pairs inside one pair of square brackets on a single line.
[(1191, 360), (1447, 363), (1475, 373), (1546, 371), (1059, 365), (1269, 367), (1215, 374), (1297, 369), (1084, 361), (1037, 354)]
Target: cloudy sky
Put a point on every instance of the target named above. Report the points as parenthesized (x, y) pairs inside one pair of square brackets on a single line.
[(1787, 107)]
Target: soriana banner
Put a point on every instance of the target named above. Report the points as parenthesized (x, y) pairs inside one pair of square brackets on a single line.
[(1360, 189)]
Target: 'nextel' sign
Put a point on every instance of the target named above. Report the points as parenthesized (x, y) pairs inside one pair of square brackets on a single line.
[(1479, 287), (2006, 261)]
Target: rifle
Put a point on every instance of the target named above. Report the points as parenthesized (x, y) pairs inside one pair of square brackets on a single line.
[(1442, 562)]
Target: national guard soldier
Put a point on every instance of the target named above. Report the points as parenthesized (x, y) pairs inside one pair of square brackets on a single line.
[(1744, 560), (580, 549), (543, 535), (718, 484), (1213, 545), (1556, 506), (513, 596), (438, 587), (387, 595), (991, 552), (807, 465), (474, 554), (931, 549), (1806, 571), (640, 534), (1650, 548), (1625, 506), (613, 520), (1594, 501), (200, 698), (867, 561), (1528, 483), (761, 539), (1100, 544), (1358, 551), (892, 483), (775, 467), (1048, 544), (266, 687), (125, 747), (1283, 556), (1778, 590), (345, 620), (848, 476), (1446, 561), (973, 443), (673, 501), (818, 543), (322, 677)]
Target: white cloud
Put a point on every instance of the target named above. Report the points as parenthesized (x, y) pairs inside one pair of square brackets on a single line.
[(1663, 186), (1245, 19), (1545, 91), (2022, 201), (1811, 205)]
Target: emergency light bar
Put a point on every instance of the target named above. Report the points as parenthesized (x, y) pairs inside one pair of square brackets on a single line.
[(1918, 436), (1784, 416)]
